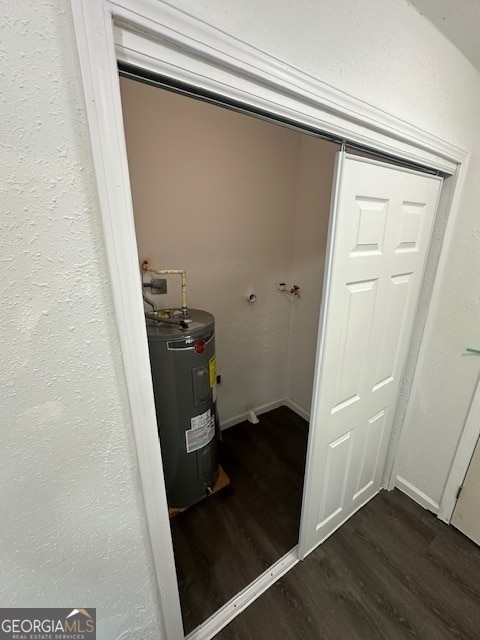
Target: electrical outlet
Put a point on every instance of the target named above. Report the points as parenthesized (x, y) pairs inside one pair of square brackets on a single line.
[(159, 285)]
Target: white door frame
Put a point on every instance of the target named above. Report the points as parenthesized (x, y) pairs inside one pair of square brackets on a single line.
[(161, 38), (465, 449)]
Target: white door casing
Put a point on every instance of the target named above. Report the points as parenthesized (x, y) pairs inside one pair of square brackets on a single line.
[(466, 516), (466, 448), (381, 222)]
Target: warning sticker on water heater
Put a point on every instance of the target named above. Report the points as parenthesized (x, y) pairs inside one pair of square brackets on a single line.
[(202, 431)]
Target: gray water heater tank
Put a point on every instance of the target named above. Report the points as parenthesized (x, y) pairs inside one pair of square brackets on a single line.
[(184, 383)]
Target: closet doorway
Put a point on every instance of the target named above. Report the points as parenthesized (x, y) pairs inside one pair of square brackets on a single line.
[(242, 205)]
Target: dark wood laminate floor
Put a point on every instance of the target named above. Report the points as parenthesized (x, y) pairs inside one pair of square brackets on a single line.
[(228, 540), (392, 572)]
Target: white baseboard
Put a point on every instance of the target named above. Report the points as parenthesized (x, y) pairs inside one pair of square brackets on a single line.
[(283, 402), (296, 408), (415, 494), (241, 417)]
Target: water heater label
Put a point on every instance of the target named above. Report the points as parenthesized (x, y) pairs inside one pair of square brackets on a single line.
[(202, 431)]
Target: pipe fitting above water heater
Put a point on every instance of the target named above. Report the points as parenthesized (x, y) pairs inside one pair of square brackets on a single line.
[(166, 272)]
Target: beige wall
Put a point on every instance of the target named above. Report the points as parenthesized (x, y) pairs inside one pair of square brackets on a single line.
[(215, 192), (312, 206)]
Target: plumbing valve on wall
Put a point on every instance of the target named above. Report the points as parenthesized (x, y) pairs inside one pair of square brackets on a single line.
[(165, 272), (293, 291)]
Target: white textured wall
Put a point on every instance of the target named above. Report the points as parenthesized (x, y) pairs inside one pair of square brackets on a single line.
[(214, 193), (381, 51), (73, 527), (448, 374), (312, 208)]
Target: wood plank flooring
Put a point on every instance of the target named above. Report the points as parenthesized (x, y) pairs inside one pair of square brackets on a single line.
[(228, 540), (392, 572)]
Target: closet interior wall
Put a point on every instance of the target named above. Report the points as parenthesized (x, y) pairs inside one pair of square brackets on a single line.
[(241, 204)]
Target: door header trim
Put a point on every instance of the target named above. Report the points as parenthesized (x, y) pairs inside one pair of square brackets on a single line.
[(202, 56)]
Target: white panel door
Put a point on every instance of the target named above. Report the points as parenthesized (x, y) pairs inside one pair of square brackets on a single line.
[(380, 227)]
